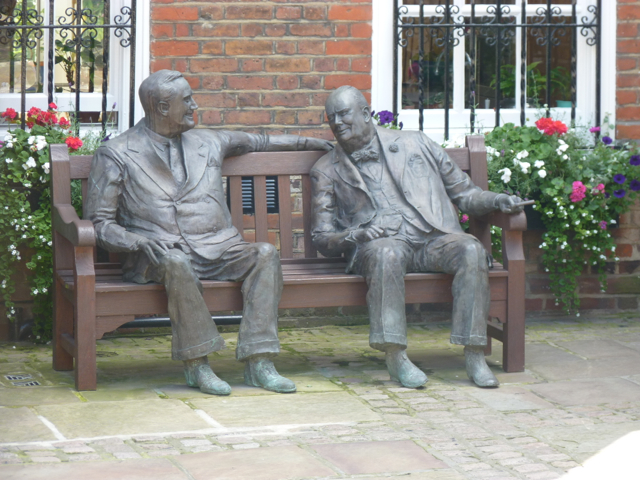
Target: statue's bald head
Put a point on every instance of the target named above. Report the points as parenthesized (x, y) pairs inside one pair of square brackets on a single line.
[(349, 117), (158, 87), (349, 94)]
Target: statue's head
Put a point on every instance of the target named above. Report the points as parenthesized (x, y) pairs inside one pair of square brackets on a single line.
[(349, 117), (168, 104)]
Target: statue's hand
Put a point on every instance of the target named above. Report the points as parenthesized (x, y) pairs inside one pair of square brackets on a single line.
[(153, 248), (509, 203), (318, 144), (367, 234)]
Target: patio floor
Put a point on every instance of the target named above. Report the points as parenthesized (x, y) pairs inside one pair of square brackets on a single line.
[(574, 413)]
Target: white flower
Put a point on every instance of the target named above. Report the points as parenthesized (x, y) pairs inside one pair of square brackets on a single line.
[(46, 167), (617, 259), (522, 154), (9, 145), (525, 167), (566, 157), (492, 152), (538, 164), (31, 163), (542, 173), (31, 139), (8, 137), (613, 249), (9, 160), (35, 291), (612, 222), (44, 290), (506, 175)]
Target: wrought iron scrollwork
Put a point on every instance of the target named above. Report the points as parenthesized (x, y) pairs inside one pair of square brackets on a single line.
[(490, 22), (123, 21), (404, 33), (589, 25), (542, 30)]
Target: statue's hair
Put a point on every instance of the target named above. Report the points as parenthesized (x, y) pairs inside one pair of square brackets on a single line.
[(157, 87), (352, 92)]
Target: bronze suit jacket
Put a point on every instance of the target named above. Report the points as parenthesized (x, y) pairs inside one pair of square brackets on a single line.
[(429, 180), (132, 194)]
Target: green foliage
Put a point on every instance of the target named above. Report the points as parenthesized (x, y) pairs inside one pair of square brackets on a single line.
[(581, 185)]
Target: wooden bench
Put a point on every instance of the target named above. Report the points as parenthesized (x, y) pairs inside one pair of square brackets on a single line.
[(91, 299)]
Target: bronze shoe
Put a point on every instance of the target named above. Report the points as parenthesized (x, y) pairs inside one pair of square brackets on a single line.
[(477, 369), (402, 370), (260, 372), (201, 376)]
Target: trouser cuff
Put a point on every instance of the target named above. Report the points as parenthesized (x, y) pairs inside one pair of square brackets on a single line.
[(247, 350), (472, 340), (198, 351), (382, 341)]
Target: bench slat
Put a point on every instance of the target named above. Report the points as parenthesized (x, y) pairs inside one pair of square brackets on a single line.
[(286, 229), (309, 249), (271, 163), (260, 204), (235, 199)]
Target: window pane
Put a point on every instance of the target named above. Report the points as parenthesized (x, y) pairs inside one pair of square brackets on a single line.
[(11, 49)]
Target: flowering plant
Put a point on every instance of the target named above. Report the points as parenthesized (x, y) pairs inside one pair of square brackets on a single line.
[(387, 119), (25, 210), (581, 185)]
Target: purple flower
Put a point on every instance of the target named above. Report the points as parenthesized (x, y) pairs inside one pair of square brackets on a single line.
[(606, 195), (634, 185), (607, 140), (373, 112), (384, 117), (400, 125), (619, 193), (594, 129), (634, 160), (603, 225), (106, 138), (619, 178)]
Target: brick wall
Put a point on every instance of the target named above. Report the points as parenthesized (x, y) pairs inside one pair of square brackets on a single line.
[(628, 66), (264, 65)]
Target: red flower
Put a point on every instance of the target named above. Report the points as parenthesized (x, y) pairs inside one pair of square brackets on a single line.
[(549, 126), (10, 113), (33, 112), (64, 123), (74, 143), (53, 106)]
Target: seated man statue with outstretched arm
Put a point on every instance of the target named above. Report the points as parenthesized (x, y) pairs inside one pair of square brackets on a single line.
[(385, 200), (156, 195)]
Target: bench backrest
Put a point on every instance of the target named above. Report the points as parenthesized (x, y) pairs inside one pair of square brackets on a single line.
[(288, 230)]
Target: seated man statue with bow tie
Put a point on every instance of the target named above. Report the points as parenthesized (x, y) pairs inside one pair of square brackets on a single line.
[(385, 200), (156, 195)]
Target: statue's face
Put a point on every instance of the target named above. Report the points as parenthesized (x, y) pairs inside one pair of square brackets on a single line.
[(349, 122), (179, 109)]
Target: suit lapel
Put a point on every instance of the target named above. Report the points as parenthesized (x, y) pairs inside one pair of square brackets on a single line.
[(347, 171), (142, 153), (394, 152), (194, 153)]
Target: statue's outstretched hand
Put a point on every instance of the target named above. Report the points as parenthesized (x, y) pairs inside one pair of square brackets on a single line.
[(318, 144), (367, 234), (509, 203), (153, 248)]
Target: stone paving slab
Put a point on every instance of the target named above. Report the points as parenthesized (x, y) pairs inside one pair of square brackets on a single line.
[(22, 425), (24, 396), (589, 392), (510, 398), (378, 457)]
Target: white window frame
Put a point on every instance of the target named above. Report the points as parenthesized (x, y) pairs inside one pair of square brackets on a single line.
[(459, 117), (119, 70)]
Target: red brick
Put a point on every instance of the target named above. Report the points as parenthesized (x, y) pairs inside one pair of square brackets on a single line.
[(287, 82), (174, 48), (311, 29), (538, 284), (342, 30), (533, 304), (213, 82), (311, 117), (361, 64), (311, 81), (319, 99), (288, 48), (254, 12), (311, 47), (349, 47), (251, 64), (275, 30), (214, 65), (183, 30), (628, 80), (248, 99), (628, 113), (285, 100), (627, 30), (211, 117), (362, 30), (625, 97), (249, 47), (194, 82), (311, 132), (628, 132), (215, 100), (212, 48), (159, 30), (628, 13), (288, 13), (626, 63), (342, 64), (180, 64), (628, 46), (176, 14), (315, 13), (161, 64), (323, 64), (285, 117), (349, 12), (597, 303), (213, 12), (251, 30), (624, 250), (246, 82), (295, 64), (248, 117), (216, 30)]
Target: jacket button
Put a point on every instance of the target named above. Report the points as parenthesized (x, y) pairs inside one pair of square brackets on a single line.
[(178, 202)]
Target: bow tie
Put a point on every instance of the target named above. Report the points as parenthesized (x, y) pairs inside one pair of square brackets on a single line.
[(366, 154)]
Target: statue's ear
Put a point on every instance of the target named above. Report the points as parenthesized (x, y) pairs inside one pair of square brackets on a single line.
[(163, 108), (366, 113)]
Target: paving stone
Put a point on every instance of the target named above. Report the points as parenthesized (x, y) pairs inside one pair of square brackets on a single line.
[(84, 457), (45, 459), (22, 425), (126, 455), (158, 469), (599, 348), (510, 398), (378, 457), (589, 392), (269, 463)]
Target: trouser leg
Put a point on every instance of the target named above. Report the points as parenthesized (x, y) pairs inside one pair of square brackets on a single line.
[(257, 265), (463, 256), (194, 333), (383, 263)]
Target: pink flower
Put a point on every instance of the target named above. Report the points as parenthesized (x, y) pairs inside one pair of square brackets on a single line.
[(598, 189), (594, 129), (464, 219), (579, 191), (53, 106), (603, 225)]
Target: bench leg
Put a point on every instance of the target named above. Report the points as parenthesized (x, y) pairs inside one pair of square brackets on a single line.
[(85, 319), (62, 323), (513, 328)]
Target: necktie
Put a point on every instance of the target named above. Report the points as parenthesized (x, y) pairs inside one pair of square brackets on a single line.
[(175, 162)]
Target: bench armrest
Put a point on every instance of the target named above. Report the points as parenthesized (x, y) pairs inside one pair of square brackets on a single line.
[(507, 221), (67, 223)]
